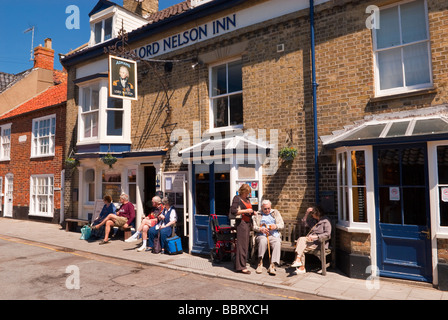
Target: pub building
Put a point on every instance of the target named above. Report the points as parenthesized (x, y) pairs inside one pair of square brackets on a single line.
[(357, 88)]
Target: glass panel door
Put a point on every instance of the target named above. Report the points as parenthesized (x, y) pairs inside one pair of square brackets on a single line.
[(402, 203)]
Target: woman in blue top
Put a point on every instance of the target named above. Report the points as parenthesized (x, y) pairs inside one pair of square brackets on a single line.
[(108, 208), (166, 219)]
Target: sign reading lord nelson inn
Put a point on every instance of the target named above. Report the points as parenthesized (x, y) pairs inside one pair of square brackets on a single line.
[(122, 78), (188, 37)]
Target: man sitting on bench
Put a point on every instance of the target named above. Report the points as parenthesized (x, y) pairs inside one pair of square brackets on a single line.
[(123, 219), (267, 225)]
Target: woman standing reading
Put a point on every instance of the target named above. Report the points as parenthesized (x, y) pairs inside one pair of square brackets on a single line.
[(241, 206)]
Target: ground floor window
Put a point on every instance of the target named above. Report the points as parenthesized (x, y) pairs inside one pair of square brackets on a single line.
[(352, 186), (111, 184), (42, 195), (442, 184)]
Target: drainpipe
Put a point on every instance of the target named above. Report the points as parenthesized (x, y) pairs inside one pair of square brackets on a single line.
[(315, 85)]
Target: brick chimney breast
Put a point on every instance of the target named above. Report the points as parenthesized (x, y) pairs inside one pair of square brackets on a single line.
[(44, 56), (141, 7)]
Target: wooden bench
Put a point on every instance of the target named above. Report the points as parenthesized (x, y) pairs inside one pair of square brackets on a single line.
[(295, 228), (72, 223)]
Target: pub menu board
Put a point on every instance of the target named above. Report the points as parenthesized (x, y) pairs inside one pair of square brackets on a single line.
[(254, 196), (174, 188)]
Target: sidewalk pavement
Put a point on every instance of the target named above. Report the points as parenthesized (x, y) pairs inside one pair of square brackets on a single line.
[(334, 285)]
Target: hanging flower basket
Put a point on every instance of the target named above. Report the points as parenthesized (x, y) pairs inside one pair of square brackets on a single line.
[(288, 153), (71, 162), (109, 160)]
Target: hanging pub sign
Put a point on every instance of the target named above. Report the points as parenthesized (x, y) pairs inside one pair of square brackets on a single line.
[(122, 78)]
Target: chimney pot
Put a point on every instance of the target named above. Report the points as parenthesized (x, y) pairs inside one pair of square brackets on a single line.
[(44, 56), (48, 43), (141, 7)]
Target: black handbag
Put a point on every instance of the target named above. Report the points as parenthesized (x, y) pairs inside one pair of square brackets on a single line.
[(157, 246)]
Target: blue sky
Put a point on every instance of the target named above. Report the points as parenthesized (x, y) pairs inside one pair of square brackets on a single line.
[(49, 17)]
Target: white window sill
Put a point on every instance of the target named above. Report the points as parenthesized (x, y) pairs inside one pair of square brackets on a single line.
[(41, 215), (354, 229)]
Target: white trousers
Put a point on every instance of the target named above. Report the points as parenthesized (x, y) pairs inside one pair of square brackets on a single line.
[(303, 247), (275, 244)]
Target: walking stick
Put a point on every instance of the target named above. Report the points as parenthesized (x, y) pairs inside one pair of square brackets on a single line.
[(269, 245)]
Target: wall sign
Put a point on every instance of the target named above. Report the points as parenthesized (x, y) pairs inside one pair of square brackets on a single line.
[(122, 78), (188, 37)]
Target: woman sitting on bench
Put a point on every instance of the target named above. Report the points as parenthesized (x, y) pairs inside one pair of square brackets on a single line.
[(320, 227), (124, 217), (108, 208)]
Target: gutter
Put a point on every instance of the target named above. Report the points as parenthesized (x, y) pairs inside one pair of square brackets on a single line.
[(314, 85), (201, 11)]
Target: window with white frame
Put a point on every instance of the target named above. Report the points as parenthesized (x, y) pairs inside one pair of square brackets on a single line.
[(114, 117), (402, 49), (42, 195), (226, 95), (43, 136), (89, 179), (132, 184), (111, 184), (5, 142), (90, 98), (102, 30), (442, 184), (352, 186)]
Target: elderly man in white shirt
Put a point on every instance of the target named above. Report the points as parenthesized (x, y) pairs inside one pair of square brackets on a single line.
[(267, 224)]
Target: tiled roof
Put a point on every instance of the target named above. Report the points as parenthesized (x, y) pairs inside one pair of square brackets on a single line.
[(7, 79), (170, 11), (52, 96)]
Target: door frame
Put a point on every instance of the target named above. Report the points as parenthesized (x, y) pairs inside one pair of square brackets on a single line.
[(9, 208), (428, 244)]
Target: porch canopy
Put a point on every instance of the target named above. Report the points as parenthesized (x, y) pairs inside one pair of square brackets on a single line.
[(428, 124), (241, 146)]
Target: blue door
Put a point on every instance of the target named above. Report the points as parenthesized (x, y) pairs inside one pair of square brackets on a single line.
[(402, 207), (211, 195)]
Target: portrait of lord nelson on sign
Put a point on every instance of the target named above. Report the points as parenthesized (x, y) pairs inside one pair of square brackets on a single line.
[(122, 78)]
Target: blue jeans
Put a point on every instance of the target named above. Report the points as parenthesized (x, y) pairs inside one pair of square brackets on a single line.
[(164, 233)]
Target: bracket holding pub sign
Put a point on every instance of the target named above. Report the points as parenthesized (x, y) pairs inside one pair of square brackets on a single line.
[(122, 78)]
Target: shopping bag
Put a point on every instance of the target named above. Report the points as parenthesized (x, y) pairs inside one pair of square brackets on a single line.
[(86, 231)]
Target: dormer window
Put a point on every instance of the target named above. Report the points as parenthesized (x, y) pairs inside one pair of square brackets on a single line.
[(195, 3), (103, 30)]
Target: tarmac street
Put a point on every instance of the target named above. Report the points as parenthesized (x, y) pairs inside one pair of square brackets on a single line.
[(335, 285), (34, 271)]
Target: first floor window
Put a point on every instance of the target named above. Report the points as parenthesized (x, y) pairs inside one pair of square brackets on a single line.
[(402, 48), (5, 143), (43, 140), (89, 111), (226, 94), (42, 195), (114, 117)]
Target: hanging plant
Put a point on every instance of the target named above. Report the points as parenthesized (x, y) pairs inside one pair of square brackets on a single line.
[(71, 162), (288, 153), (109, 160)]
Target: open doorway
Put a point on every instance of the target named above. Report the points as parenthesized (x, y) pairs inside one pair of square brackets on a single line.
[(150, 187)]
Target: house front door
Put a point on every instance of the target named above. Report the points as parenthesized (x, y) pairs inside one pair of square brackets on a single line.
[(402, 212), (9, 183)]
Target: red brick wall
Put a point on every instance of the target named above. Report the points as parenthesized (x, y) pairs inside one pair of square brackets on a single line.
[(21, 164)]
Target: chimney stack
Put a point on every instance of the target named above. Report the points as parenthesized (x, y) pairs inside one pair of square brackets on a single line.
[(142, 7), (44, 56)]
